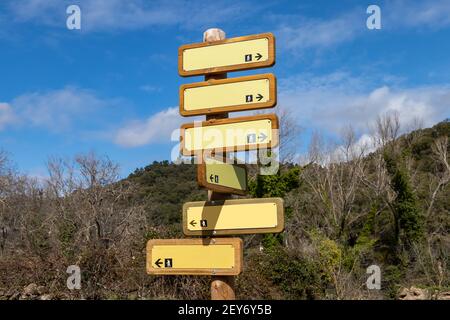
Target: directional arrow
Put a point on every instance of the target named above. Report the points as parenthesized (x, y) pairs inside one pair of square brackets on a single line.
[(193, 223), (158, 262), (259, 97), (262, 136), (258, 56)]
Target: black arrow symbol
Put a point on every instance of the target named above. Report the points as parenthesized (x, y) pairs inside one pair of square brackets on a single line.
[(258, 56), (259, 97), (262, 136), (193, 223), (158, 262)]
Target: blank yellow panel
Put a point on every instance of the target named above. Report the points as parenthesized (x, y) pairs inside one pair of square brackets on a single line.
[(228, 175), (227, 54), (228, 135), (225, 95), (195, 256), (233, 216)]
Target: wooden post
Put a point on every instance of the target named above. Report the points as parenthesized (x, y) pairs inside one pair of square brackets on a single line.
[(222, 287)]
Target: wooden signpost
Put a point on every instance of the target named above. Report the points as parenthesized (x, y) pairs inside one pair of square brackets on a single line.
[(238, 216), (210, 140)]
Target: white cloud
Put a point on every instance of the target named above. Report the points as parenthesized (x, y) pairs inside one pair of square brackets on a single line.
[(304, 33), (298, 32), (295, 31), (82, 112), (422, 14), (39, 174), (364, 145), (111, 15), (156, 129), (150, 88), (6, 115), (334, 101), (57, 110), (63, 110), (32, 10)]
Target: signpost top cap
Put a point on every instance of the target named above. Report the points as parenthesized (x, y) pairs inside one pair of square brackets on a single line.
[(213, 34)]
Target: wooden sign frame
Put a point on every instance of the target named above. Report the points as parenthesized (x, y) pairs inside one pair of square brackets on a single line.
[(202, 179), (240, 107), (235, 242), (237, 67), (280, 217), (213, 122)]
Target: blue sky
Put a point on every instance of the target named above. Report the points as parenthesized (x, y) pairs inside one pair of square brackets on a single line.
[(112, 87)]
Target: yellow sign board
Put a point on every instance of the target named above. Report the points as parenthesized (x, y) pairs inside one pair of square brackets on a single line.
[(222, 175), (240, 216), (235, 94), (211, 256), (235, 134), (241, 53)]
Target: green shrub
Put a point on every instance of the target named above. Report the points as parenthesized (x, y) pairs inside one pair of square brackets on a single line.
[(296, 276)]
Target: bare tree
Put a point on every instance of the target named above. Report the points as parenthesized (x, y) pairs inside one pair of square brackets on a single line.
[(333, 176), (3, 186), (290, 132), (440, 151), (96, 212), (384, 138), (387, 129)]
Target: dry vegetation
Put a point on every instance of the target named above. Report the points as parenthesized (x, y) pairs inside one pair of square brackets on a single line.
[(384, 203)]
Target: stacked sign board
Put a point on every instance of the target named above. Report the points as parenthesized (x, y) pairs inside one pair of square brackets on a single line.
[(216, 174), (235, 134), (218, 135), (238, 94)]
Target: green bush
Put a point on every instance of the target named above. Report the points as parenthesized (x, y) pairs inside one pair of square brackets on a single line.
[(296, 276)]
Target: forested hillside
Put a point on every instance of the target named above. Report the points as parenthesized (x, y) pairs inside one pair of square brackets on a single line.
[(347, 208)]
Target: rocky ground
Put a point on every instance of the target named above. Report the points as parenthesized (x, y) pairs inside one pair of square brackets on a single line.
[(36, 292), (30, 292), (414, 293)]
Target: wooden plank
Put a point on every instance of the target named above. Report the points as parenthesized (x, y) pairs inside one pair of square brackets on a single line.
[(229, 135), (233, 54), (235, 94), (236, 216), (222, 175), (212, 256)]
